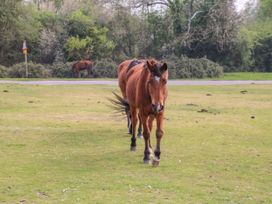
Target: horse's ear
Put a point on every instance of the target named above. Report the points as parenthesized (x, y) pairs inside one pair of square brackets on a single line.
[(149, 65), (163, 67)]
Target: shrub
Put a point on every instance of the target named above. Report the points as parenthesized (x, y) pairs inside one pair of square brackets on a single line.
[(61, 70), (3, 72), (185, 67), (34, 71), (105, 68)]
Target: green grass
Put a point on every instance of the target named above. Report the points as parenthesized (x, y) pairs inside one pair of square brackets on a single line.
[(63, 144), (247, 76)]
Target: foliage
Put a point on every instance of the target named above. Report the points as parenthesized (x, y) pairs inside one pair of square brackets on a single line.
[(77, 48), (184, 67), (34, 71), (263, 55), (159, 35), (127, 32), (254, 46), (86, 41), (61, 70), (105, 68), (61, 31), (3, 71), (79, 24), (265, 9), (47, 45), (18, 22)]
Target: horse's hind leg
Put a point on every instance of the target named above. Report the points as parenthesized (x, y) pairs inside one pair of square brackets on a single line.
[(129, 123), (159, 134), (127, 110), (133, 124)]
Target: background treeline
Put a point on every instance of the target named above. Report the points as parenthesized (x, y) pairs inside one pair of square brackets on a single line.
[(199, 38)]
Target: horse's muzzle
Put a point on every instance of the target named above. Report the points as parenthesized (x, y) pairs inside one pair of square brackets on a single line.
[(157, 108)]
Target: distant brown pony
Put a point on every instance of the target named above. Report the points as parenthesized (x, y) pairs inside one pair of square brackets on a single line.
[(122, 71), (146, 93), (82, 65)]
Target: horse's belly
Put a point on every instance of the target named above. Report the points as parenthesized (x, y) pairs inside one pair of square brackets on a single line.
[(131, 91)]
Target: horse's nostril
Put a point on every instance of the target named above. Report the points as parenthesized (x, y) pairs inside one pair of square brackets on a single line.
[(154, 108), (157, 108)]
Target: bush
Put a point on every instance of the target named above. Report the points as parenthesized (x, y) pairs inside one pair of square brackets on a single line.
[(34, 71), (185, 67), (3, 72), (105, 68), (61, 70), (263, 55)]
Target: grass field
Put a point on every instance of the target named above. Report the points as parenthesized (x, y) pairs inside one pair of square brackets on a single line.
[(63, 144), (247, 76)]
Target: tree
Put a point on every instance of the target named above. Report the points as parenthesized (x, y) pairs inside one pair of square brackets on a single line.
[(255, 36), (18, 22), (86, 40)]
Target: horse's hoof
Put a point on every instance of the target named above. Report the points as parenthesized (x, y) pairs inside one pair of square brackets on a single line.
[(133, 149), (140, 136), (155, 162), (147, 161)]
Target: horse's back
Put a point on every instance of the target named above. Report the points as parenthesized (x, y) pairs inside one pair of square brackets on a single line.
[(122, 71), (133, 76), (86, 63)]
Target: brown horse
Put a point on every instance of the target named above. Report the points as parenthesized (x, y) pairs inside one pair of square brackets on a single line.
[(82, 65), (123, 70), (146, 93)]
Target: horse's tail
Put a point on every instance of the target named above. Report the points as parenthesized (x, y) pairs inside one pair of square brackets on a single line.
[(119, 104)]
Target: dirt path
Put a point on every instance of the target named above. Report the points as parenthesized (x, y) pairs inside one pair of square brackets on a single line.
[(114, 82)]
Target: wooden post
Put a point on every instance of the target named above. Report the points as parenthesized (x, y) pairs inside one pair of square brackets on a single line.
[(25, 53), (26, 65)]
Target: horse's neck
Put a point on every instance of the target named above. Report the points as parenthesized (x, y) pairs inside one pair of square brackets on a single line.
[(143, 88)]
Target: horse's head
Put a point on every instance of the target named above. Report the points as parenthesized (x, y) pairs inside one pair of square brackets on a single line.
[(157, 84)]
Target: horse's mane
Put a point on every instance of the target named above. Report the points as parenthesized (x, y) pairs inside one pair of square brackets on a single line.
[(133, 63)]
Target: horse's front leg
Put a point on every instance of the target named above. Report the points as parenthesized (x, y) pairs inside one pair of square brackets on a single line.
[(133, 124), (159, 134), (150, 125), (140, 135), (146, 134)]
